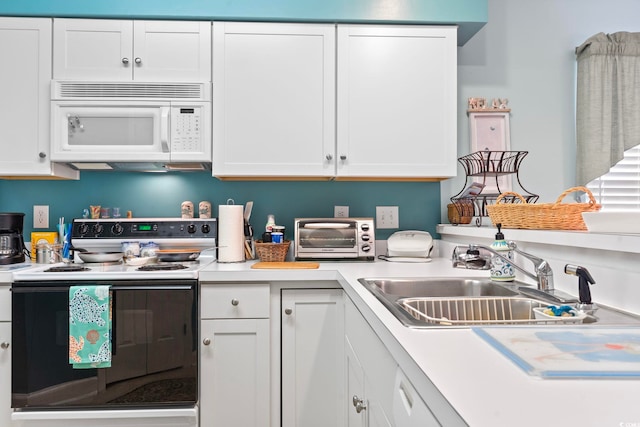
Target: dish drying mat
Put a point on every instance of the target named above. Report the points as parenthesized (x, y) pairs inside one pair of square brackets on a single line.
[(478, 311), (569, 352)]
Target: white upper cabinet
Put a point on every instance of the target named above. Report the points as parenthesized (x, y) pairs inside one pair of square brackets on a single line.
[(273, 99), (396, 101), (122, 50), (276, 112), (25, 76)]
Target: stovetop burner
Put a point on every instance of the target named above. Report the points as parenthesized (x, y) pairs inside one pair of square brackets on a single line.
[(66, 268), (161, 267)]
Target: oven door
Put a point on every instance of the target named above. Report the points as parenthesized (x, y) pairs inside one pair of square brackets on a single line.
[(326, 239), (154, 359)]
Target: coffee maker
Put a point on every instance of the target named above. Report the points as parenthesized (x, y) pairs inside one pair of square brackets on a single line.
[(12, 248)]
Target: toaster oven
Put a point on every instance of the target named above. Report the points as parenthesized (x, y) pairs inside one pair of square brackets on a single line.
[(334, 239)]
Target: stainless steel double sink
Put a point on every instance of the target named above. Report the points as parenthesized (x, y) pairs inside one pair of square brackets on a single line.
[(464, 302)]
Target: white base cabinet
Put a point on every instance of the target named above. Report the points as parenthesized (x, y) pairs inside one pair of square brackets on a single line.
[(5, 372), (25, 76), (312, 358), (235, 355)]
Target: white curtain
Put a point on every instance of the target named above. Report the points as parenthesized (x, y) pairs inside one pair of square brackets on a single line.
[(608, 102)]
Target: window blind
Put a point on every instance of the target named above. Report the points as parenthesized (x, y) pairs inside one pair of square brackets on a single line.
[(619, 189)]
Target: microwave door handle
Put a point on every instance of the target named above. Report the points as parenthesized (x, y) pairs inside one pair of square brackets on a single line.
[(164, 129)]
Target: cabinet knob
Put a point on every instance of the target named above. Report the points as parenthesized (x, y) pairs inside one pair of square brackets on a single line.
[(42, 154), (288, 311), (4, 345), (138, 61), (125, 61), (206, 341), (235, 302), (343, 157), (359, 404), (329, 157)]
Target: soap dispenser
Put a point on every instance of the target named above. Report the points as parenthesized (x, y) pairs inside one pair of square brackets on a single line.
[(501, 270)]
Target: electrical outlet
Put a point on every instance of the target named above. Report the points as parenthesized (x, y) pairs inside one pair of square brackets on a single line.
[(387, 217), (341, 211), (40, 216)]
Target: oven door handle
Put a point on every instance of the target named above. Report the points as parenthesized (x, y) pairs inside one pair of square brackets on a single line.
[(26, 289)]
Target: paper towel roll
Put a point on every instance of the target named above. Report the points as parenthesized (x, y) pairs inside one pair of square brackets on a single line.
[(230, 233)]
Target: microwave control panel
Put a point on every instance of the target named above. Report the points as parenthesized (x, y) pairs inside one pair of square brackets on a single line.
[(186, 129)]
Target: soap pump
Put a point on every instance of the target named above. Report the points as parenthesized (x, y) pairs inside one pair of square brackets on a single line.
[(501, 270)]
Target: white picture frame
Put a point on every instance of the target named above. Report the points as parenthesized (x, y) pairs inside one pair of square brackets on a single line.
[(489, 130)]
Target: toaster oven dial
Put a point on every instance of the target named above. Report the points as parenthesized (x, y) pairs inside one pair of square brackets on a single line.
[(365, 237), (365, 227), (366, 248)]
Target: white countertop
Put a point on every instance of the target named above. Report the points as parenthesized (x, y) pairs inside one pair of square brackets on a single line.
[(483, 385)]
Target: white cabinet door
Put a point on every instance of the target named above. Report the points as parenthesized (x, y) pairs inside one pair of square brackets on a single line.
[(5, 373), (92, 49), (356, 400), (172, 51), (274, 99), (396, 113), (122, 50), (234, 386), (313, 358), (25, 76)]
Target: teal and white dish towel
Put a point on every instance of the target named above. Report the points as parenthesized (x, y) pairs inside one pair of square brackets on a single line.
[(89, 326)]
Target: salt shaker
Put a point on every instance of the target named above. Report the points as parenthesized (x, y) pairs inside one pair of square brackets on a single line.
[(204, 209), (186, 209)]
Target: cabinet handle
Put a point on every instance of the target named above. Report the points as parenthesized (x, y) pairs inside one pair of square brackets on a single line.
[(359, 404), (125, 61), (288, 311), (329, 157), (235, 302), (42, 154), (343, 157), (138, 61), (4, 345), (206, 341)]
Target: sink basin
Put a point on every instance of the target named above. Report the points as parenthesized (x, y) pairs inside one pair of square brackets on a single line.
[(462, 301), (439, 287)]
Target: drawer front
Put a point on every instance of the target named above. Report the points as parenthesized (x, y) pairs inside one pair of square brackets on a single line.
[(240, 301)]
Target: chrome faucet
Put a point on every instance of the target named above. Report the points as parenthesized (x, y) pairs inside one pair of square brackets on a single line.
[(473, 260)]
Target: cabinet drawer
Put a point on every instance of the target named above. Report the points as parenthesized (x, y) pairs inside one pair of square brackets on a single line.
[(241, 301)]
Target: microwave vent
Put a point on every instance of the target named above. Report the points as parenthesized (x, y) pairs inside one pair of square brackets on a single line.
[(129, 90)]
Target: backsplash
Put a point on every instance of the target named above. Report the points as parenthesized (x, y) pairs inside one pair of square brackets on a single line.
[(160, 195)]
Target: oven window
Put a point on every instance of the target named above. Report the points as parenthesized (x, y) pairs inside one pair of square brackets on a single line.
[(154, 350), (318, 238)]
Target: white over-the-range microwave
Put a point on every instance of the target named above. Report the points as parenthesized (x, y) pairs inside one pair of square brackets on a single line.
[(104, 125)]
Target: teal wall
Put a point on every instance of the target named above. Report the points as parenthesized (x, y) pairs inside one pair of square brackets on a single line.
[(160, 195), (470, 15)]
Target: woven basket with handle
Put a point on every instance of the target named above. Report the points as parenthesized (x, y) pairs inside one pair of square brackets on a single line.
[(272, 252), (542, 216)]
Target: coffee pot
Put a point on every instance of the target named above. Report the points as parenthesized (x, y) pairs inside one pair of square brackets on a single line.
[(12, 247)]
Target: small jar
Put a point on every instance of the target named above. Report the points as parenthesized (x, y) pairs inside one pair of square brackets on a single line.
[(148, 249)]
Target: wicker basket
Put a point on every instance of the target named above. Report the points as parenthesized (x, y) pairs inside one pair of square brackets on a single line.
[(272, 252), (542, 216), (466, 208)]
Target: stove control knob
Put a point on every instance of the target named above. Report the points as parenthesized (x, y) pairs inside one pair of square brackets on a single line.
[(98, 229), (191, 229), (117, 229), (83, 229), (206, 228)]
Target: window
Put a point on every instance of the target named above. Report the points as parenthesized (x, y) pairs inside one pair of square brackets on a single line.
[(619, 189)]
